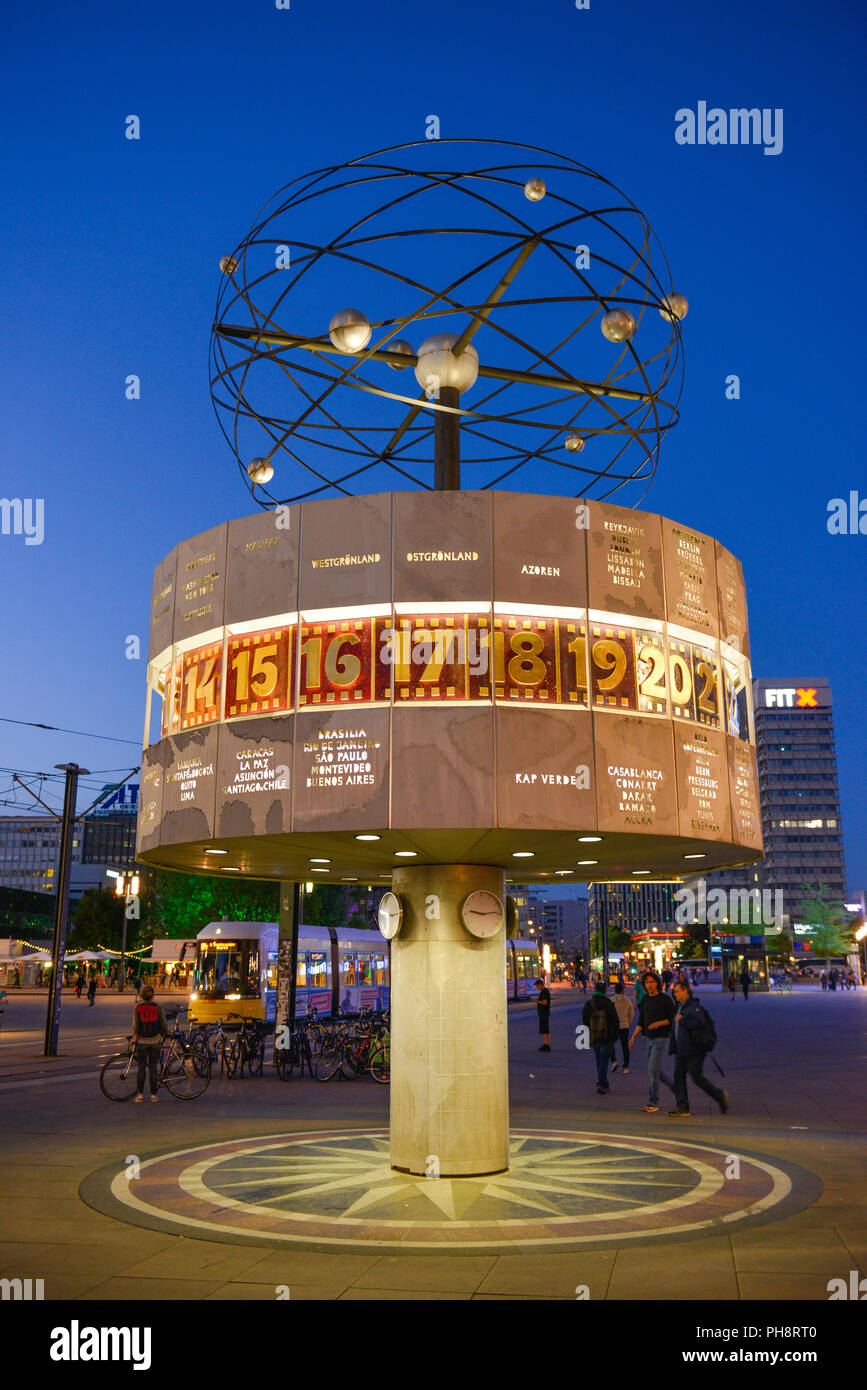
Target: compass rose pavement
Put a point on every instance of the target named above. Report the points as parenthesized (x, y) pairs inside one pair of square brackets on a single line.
[(563, 1190)]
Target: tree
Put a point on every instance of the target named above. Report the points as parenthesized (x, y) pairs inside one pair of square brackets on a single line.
[(779, 946), (97, 922), (832, 931), (185, 903), (695, 943), (617, 941), (23, 913), (333, 905)]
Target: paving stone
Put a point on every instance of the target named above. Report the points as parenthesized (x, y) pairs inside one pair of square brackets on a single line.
[(706, 1264), (788, 1234), (433, 1272), (807, 1259), (784, 1288), (73, 1259), (238, 1292), (356, 1294), (199, 1259), (15, 1252), (518, 1298), (300, 1267), (553, 1276), (166, 1290)]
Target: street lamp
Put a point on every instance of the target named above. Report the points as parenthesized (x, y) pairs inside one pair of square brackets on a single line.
[(121, 891)]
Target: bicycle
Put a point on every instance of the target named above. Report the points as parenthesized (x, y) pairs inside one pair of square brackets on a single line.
[(379, 1062), (357, 1046), (220, 1041), (306, 1039), (246, 1048), (184, 1069)]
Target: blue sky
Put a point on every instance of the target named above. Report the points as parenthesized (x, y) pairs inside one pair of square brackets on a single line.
[(109, 268)]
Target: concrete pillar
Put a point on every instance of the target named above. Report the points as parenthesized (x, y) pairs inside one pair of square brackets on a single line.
[(449, 1045)]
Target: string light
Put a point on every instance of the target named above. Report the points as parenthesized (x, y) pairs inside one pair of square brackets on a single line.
[(108, 951)]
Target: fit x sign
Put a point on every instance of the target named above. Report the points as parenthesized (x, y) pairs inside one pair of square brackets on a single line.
[(794, 698)]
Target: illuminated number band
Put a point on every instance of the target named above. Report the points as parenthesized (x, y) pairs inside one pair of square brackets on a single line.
[(584, 661)]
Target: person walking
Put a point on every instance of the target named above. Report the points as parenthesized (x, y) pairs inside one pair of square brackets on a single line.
[(79, 984), (149, 1027), (543, 1008), (705, 974), (600, 1017), (91, 990), (733, 984), (667, 978), (640, 991), (824, 979), (692, 1040), (625, 1011), (655, 1017), (851, 982), (746, 982)]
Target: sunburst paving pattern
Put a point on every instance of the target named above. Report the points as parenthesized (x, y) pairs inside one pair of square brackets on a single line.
[(352, 1177), (563, 1190)]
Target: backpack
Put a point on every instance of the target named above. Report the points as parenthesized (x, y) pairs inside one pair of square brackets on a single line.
[(598, 1025), (148, 1020), (704, 1036)]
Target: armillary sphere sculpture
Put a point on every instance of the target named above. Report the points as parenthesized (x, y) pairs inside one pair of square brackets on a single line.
[(432, 687), (515, 285)]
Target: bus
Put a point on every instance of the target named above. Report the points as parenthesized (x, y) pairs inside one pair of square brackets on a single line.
[(340, 970)]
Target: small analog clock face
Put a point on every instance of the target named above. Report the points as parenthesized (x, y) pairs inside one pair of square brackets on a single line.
[(482, 913), (390, 915)]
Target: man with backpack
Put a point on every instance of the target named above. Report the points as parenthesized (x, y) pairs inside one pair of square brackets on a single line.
[(600, 1017), (693, 1039)]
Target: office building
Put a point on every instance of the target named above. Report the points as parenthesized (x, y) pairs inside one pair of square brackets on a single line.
[(630, 907), (798, 793), (29, 851), (30, 845), (798, 789)]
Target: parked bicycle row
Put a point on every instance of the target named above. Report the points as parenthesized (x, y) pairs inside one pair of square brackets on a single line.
[(346, 1047), (184, 1060)]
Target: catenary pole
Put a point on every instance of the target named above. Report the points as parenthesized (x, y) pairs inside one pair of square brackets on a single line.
[(61, 916)]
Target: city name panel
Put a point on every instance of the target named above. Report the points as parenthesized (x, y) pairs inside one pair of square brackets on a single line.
[(470, 676)]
